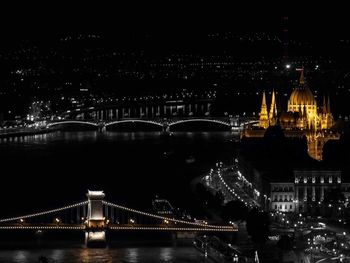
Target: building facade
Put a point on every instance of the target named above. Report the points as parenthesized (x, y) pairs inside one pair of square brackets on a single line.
[(302, 111), (307, 192), (282, 197), (302, 118)]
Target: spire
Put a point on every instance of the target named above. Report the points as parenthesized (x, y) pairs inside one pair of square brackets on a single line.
[(324, 108), (328, 105), (264, 118), (256, 257), (273, 108), (302, 79), (263, 103)]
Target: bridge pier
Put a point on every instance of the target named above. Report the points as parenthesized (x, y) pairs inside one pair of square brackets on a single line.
[(95, 235), (101, 127), (166, 128)]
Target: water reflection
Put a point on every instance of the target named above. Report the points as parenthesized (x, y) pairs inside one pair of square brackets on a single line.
[(115, 255), (80, 136), (132, 255), (166, 254), (135, 157), (20, 256), (58, 254)]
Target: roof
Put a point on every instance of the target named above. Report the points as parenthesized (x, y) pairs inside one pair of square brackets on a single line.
[(302, 96)]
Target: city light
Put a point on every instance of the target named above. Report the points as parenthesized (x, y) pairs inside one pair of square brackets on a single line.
[(148, 106)]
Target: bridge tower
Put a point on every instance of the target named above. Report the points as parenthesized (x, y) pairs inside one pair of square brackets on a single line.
[(166, 126), (101, 126), (95, 224), (234, 121)]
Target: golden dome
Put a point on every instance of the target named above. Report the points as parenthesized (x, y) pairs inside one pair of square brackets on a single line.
[(302, 96)]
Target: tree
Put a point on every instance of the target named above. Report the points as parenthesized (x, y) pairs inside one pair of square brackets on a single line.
[(258, 226), (334, 198), (234, 210), (285, 243), (207, 197)]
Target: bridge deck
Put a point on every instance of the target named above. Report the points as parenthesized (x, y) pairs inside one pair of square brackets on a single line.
[(121, 227)]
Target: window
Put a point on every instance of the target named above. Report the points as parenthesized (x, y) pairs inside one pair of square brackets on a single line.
[(275, 207), (290, 198), (291, 207), (281, 207), (285, 207)]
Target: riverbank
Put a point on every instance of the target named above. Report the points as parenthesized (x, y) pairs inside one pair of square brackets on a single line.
[(27, 132)]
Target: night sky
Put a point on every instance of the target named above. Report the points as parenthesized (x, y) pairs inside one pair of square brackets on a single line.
[(177, 20), (168, 26)]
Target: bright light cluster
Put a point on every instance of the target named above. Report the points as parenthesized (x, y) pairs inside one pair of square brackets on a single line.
[(43, 213), (232, 191), (172, 229), (165, 218), (42, 227), (71, 121), (200, 119)]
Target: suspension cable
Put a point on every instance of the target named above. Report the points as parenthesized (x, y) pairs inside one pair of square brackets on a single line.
[(44, 212)]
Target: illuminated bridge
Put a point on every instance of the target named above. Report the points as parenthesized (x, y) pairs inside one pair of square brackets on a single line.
[(165, 124), (95, 217)]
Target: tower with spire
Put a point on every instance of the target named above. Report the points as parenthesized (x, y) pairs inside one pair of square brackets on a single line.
[(273, 110), (302, 78), (302, 116), (264, 117), (326, 114)]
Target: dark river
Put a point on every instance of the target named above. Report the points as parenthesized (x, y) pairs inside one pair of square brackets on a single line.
[(120, 255), (51, 170)]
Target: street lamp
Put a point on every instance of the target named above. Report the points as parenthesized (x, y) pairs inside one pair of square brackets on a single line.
[(311, 248)]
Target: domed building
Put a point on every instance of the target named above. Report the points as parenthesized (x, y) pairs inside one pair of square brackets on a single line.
[(302, 112), (302, 97), (302, 118)]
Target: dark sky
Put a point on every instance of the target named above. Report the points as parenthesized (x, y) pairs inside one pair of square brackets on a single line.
[(42, 20)]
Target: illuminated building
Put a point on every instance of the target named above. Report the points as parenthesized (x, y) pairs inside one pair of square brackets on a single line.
[(282, 197), (264, 117), (302, 111), (307, 192), (302, 118)]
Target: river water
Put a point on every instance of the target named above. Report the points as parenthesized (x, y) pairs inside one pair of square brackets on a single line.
[(119, 255), (51, 170)]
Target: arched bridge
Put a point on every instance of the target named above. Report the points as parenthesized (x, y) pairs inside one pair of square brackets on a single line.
[(96, 216), (234, 123)]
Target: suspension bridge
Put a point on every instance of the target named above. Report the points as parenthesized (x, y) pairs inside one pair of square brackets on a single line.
[(96, 216)]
